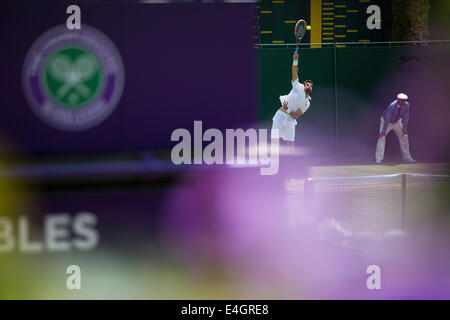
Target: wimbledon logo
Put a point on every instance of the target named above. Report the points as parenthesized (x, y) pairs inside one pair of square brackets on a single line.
[(73, 79)]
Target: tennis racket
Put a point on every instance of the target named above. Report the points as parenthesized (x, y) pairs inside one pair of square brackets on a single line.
[(300, 30)]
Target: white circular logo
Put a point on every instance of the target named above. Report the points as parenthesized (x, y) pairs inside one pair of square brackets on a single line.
[(73, 79)]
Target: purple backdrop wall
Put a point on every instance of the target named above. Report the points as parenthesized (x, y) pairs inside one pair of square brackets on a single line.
[(183, 62)]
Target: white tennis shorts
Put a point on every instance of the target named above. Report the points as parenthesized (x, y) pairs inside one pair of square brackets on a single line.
[(285, 126)]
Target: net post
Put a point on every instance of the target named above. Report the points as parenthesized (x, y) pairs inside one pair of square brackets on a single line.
[(336, 109), (403, 205)]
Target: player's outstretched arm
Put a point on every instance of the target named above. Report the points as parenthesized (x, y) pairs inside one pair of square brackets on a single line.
[(295, 67)]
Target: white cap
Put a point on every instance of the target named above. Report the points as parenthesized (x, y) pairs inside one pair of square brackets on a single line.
[(402, 96)]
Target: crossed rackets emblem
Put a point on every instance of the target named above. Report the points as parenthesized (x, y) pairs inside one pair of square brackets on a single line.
[(73, 74)]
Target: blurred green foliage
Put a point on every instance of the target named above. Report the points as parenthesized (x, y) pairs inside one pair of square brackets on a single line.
[(410, 20)]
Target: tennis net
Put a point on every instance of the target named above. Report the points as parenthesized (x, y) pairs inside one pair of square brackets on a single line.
[(376, 204)]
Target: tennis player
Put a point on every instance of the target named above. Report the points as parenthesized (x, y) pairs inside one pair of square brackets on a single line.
[(396, 118), (293, 106)]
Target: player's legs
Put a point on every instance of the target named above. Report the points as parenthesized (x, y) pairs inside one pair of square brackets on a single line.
[(289, 136), (403, 141), (277, 131), (290, 144), (275, 141)]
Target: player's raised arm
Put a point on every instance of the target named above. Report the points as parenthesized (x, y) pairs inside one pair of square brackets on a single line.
[(295, 67)]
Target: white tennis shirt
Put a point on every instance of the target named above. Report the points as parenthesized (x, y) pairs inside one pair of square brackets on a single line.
[(296, 99)]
